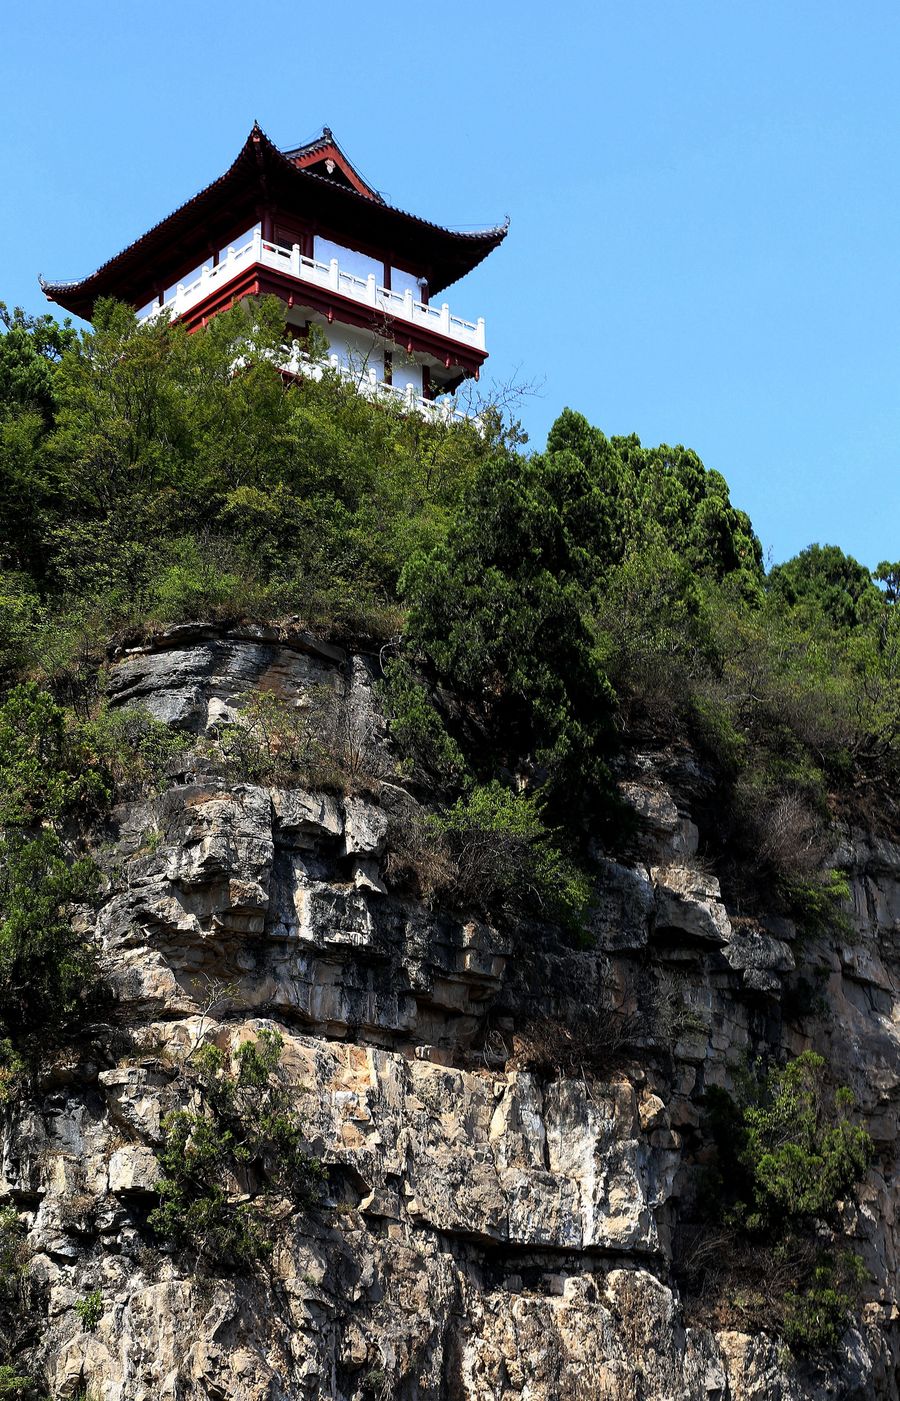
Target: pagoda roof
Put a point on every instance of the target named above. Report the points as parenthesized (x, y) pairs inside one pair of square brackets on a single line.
[(290, 182), (325, 149)]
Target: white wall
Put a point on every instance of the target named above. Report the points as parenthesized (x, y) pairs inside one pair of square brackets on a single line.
[(350, 261), (406, 373), (239, 241), (358, 353), (355, 350), (362, 266), (185, 281), (405, 282)]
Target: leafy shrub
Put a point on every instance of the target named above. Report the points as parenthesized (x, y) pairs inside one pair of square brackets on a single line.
[(508, 861), (18, 1319), (46, 966), (134, 749), (14, 1386), (420, 734), (226, 1161), (46, 769), (20, 615), (788, 1153), (491, 851), (816, 1318), (90, 1310), (12, 1245), (57, 772), (817, 903), (57, 767), (318, 743), (801, 1151)]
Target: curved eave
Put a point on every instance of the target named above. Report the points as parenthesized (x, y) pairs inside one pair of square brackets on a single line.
[(262, 174)]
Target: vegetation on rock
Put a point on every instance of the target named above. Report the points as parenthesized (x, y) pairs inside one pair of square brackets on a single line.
[(551, 605), (58, 772), (788, 1154), (230, 1159)]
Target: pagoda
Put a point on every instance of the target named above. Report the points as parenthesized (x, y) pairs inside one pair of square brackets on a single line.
[(304, 226)]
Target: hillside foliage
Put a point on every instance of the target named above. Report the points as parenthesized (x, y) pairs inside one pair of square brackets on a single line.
[(534, 615), (534, 611)]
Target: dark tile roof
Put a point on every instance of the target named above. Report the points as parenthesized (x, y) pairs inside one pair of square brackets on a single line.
[(260, 170)]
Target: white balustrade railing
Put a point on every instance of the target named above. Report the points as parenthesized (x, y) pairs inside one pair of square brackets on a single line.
[(366, 382), (393, 305)]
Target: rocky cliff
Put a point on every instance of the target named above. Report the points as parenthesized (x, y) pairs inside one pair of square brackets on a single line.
[(493, 1229)]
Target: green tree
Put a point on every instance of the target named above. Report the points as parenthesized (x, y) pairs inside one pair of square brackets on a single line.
[(800, 1147), (47, 767), (47, 968), (823, 582), (30, 349), (499, 612)]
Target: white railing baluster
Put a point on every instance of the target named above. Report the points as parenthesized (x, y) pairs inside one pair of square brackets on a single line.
[(408, 399), (359, 289)]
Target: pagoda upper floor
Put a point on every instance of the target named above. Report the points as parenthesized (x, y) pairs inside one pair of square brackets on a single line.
[(305, 225)]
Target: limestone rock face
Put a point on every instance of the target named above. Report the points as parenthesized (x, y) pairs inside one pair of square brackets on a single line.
[(491, 1232)]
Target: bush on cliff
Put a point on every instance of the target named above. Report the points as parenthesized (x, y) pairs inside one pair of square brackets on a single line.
[(493, 853), (227, 1161), (15, 1386), (791, 1149), (20, 1321), (47, 967), (58, 772), (788, 1153), (507, 861)]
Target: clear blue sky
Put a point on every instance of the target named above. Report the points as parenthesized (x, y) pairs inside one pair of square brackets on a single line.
[(703, 195)]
